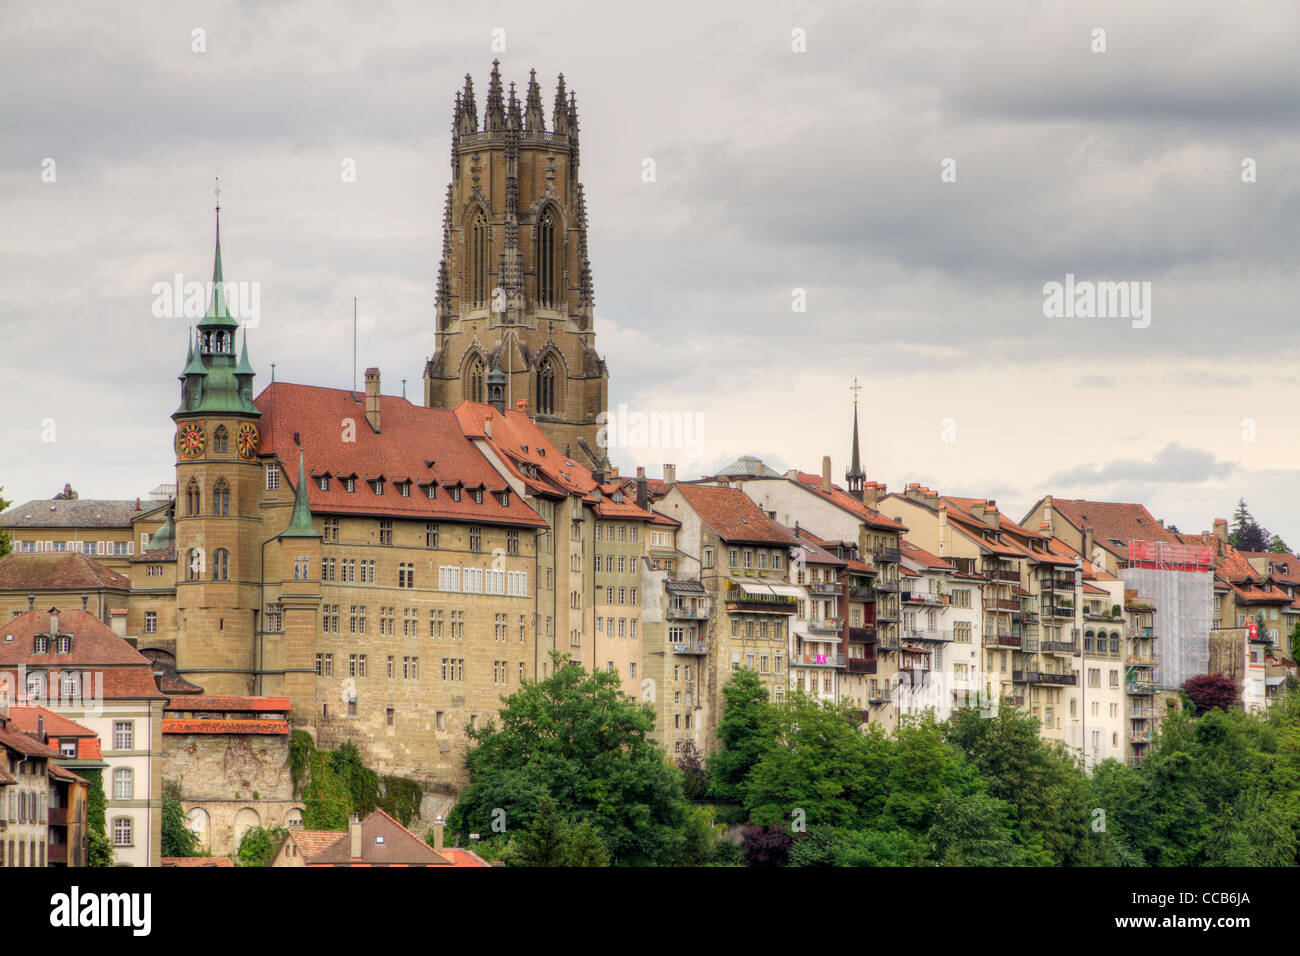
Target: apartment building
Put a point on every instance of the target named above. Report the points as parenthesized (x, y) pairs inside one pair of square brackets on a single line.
[(816, 652), (111, 531), (743, 556)]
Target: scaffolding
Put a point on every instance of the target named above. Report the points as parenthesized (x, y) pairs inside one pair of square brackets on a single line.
[(1178, 579)]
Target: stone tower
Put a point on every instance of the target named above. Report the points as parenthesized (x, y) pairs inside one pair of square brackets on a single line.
[(218, 497), (514, 285)]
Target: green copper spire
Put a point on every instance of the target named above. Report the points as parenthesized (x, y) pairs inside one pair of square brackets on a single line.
[(218, 316), (195, 364), (244, 368), (300, 523), (165, 536)]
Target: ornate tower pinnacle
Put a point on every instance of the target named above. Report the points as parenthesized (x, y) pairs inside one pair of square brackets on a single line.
[(855, 476)]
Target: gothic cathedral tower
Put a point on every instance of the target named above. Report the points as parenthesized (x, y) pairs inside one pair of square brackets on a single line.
[(218, 497), (514, 283)]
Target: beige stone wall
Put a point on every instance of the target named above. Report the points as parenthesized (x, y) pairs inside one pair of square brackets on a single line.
[(228, 766)]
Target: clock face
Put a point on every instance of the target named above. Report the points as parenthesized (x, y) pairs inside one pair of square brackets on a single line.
[(246, 440), (191, 439)]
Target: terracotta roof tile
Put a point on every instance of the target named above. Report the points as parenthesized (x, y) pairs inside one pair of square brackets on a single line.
[(399, 846), (1121, 520), (54, 725), (174, 725), (417, 443), (53, 571), (206, 702), (842, 499), (197, 861), (734, 515)]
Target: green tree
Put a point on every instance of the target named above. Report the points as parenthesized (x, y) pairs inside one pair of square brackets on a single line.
[(699, 837), (1253, 831), (585, 847), (258, 846), (1277, 546), (741, 735), (545, 841), (579, 737), (1247, 534), (817, 766), (99, 850), (362, 783), (177, 837), (973, 830)]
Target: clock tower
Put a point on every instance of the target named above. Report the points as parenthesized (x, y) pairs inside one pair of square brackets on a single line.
[(218, 505)]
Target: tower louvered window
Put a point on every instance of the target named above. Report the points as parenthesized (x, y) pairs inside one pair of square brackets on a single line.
[(546, 387), (547, 286), (478, 241), (192, 497)]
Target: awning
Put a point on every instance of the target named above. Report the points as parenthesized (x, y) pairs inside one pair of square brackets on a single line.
[(753, 590), (811, 637), (786, 590), (685, 587)]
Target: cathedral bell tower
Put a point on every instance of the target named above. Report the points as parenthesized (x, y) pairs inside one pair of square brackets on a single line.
[(514, 290), (218, 492)]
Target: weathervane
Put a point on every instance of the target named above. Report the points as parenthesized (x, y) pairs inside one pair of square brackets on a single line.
[(855, 388), (217, 192)]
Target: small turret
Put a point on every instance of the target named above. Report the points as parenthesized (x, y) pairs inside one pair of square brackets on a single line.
[(534, 119), (467, 112), (494, 116), (560, 114), (300, 523)]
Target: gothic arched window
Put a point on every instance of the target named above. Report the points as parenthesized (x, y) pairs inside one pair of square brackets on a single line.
[(192, 498), (193, 564), (219, 439), (478, 259), (221, 565), (546, 386), (547, 286), (474, 379), (221, 498)]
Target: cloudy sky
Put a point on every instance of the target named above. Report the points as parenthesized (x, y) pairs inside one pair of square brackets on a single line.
[(776, 169)]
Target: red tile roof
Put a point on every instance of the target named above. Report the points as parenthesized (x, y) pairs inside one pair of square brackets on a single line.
[(417, 445), (54, 725), (855, 506), (311, 842), (69, 571), (399, 846), (528, 454), (93, 641), (14, 738), (924, 557), (1125, 521), (195, 861), (208, 702), (461, 857), (734, 515), (174, 725)]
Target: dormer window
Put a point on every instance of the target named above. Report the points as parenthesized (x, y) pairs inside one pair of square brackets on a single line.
[(349, 485), (478, 496), (63, 644), (504, 499), (455, 494), (404, 489), (323, 482), (377, 486), (42, 644), (431, 492)]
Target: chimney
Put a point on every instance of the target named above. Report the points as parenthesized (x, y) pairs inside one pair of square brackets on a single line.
[(1048, 511), (354, 822), (670, 474), (54, 622), (1087, 543), (40, 726), (437, 832), (613, 471), (642, 490), (989, 513), (1221, 528), (872, 492), (118, 621), (487, 426), (826, 474), (372, 398)]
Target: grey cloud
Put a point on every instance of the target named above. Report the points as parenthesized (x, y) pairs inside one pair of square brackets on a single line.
[(1175, 463)]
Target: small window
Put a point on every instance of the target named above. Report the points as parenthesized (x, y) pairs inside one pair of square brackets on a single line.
[(323, 482), (272, 477)]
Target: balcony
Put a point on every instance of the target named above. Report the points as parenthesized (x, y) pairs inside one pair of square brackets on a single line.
[(1001, 604), (1044, 677), (1001, 640), (858, 593), (817, 660), (995, 574), (824, 587), (1140, 661), (696, 646), (58, 816), (927, 634), (687, 614), (1140, 688), (1140, 738), (740, 600), (57, 853), (862, 635), (883, 585), (827, 625), (1058, 610), (888, 555), (1058, 584), (858, 665), (880, 696), (1059, 647), (925, 597), (887, 642)]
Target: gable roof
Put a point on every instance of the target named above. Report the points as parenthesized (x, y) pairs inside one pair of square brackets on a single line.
[(842, 499), (311, 842), (28, 719), (417, 445), (57, 571), (399, 846), (1122, 520), (734, 515), (95, 650), (77, 513)]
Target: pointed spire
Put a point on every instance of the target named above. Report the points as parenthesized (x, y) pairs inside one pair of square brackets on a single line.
[(195, 365), (514, 119), (494, 117), (467, 121), (855, 475), (534, 119), (560, 114), (218, 316), (244, 367), (300, 523)]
